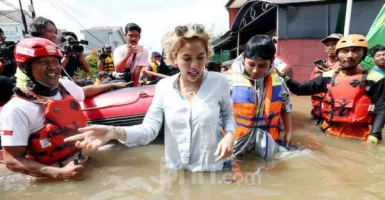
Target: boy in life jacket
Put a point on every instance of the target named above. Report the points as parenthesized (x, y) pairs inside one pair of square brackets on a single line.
[(331, 62), (34, 123), (260, 99), (355, 98)]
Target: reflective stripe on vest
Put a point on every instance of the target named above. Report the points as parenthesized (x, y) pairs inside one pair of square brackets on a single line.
[(244, 104)]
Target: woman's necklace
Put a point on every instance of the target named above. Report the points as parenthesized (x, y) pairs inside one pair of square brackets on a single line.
[(190, 91)]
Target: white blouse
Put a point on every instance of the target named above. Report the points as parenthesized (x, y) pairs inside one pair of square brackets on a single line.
[(192, 131)]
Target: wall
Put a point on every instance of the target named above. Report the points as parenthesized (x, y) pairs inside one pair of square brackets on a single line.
[(103, 36), (232, 14), (301, 53), (315, 21)]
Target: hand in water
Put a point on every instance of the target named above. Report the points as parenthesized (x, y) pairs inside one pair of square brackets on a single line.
[(225, 147), (93, 137), (288, 138), (72, 171)]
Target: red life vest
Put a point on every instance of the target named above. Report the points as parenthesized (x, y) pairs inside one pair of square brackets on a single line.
[(316, 101), (346, 101), (62, 119)]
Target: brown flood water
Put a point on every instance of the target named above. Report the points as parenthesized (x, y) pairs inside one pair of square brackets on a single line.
[(325, 167)]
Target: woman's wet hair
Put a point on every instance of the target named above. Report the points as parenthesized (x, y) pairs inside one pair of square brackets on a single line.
[(376, 49), (180, 35), (132, 27), (39, 25), (260, 47)]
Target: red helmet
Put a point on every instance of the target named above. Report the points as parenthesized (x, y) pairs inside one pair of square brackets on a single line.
[(33, 48)]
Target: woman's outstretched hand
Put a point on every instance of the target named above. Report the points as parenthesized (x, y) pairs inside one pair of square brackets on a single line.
[(92, 137)]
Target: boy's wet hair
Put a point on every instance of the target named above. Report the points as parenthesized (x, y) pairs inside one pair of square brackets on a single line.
[(260, 47)]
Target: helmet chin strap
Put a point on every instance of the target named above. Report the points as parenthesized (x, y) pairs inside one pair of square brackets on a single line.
[(40, 88)]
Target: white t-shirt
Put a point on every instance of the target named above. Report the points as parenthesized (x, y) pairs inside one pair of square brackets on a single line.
[(141, 58), (20, 118)]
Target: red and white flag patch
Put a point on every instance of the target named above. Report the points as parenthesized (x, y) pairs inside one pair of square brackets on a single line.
[(6, 132)]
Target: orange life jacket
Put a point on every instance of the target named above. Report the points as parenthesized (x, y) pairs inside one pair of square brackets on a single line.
[(346, 103), (245, 109), (62, 119)]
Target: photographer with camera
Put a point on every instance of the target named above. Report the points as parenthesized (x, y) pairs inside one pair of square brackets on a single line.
[(131, 58), (72, 50), (105, 60), (2, 37), (8, 67)]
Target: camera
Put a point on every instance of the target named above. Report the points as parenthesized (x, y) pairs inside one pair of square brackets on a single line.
[(103, 53), (6, 49), (71, 45)]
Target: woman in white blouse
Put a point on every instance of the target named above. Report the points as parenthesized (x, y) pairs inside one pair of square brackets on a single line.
[(192, 103)]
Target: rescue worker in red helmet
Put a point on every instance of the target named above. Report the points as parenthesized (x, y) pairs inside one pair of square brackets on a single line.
[(36, 120), (355, 98)]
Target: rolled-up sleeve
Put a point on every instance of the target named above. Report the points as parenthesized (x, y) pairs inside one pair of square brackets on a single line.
[(226, 107), (147, 131)]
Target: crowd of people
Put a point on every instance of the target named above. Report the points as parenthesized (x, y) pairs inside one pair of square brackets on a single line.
[(208, 117)]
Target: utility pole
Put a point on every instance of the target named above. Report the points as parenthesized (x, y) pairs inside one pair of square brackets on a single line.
[(33, 10), (23, 18), (349, 5)]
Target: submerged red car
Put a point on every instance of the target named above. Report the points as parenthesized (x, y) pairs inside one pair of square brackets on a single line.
[(122, 107)]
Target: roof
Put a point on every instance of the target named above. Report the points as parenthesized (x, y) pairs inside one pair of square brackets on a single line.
[(255, 13), (291, 1), (235, 3), (115, 28), (9, 12), (224, 38)]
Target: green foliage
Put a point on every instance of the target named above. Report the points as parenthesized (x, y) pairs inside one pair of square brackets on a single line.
[(93, 62)]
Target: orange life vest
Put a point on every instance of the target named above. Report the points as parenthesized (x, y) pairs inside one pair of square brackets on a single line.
[(62, 119), (346, 103), (245, 109)]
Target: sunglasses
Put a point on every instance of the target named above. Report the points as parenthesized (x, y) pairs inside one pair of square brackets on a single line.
[(181, 30)]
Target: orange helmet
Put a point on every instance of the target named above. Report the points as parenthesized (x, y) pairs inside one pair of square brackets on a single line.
[(353, 40)]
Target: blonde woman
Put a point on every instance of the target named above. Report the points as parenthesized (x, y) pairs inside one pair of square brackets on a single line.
[(192, 103)]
